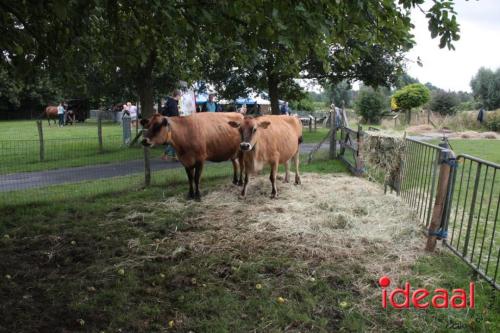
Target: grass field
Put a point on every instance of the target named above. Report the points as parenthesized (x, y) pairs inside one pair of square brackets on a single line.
[(118, 260)]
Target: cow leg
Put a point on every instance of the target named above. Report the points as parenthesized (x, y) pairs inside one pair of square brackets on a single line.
[(272, 178), (190, 174), (287, 172), (235, 170), (245, 184), (197, 175), (296, 161)]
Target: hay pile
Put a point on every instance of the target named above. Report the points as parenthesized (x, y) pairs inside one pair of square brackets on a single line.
[(329, 218), (383, 153)]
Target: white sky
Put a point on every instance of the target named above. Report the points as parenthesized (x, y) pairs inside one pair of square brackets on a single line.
[(479, 46)]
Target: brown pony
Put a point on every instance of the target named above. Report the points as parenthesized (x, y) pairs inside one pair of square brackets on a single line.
[(51, 113)]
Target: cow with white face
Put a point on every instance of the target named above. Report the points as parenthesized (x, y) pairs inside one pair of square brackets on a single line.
[(271, 140)]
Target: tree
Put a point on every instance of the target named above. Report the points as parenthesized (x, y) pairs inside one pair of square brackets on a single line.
[(340, 94), (411, 96), (444, 102), (486, 88), (370, 104), (273, 44), (304, 104)]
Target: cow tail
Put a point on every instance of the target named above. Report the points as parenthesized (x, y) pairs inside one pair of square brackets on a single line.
[(301, 139)]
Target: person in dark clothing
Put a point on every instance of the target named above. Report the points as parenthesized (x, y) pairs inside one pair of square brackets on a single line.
[(171, 109), (480, 115)]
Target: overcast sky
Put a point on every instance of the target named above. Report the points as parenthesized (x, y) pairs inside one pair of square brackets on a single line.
[(479, 45)]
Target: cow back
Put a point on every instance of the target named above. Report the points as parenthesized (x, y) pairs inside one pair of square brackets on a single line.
[(205, 136)]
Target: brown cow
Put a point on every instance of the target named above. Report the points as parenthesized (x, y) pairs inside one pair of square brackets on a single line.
[(51, 113), (269, 140), (197, 138)]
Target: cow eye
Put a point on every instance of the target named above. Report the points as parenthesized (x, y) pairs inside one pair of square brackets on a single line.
[(254, 130)]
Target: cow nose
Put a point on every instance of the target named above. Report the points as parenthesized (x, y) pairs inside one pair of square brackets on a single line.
[(145, 143), (245, 146)]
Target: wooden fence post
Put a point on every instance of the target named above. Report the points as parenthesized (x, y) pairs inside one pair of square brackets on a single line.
[(310, 123), (40, 137), (315, 124), (359, 156), (147, 167), (333, 137), (441, 194), (99, 130)]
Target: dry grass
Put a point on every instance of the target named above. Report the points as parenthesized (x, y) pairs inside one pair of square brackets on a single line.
[(354, 223)]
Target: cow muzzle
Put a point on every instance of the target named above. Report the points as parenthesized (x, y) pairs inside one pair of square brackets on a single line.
[(245, 146)]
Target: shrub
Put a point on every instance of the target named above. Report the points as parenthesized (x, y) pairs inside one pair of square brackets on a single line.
[(305, 104), (370, 105), (444, 103), (493, 120), (411, 96), (468, 106)]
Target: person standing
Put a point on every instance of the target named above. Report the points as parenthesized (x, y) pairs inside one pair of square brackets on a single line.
[(171, 109), (284, 109), (132, 109), (60, 114), (480, 115), (211, 106)]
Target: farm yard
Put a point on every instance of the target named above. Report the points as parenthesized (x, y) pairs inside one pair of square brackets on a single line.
[(249, 166), (148, 260)]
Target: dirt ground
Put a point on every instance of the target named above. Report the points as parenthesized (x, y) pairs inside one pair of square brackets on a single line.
[(328, 217)]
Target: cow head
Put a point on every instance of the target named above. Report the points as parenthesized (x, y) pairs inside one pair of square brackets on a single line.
[(157, 130), (249, 130)]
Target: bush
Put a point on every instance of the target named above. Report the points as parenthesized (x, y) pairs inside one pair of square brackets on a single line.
[(444, 103), (493, 120), (370, 105), (468, 106), (305, 104)]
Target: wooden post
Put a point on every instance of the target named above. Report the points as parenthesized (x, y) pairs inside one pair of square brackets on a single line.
[(439, 203), (99, 130), (333, 137), (40, 138), (359, 156), (147, 167), (310, 124), (315, 124)]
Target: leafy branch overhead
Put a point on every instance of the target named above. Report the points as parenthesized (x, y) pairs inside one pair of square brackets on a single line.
[(236, 45)]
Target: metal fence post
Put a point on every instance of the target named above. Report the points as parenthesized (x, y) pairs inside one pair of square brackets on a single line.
[(441, 196), (147, 167), (40, 137), (99, 130)]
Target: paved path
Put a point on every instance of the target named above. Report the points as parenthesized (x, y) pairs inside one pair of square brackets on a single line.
[(26, 180)]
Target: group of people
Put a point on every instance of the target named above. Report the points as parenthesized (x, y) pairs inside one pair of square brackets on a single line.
[(132, 111), (64, 115)]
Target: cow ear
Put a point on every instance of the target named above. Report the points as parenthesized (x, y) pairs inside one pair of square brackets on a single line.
[(264, 124), (234, 124), (164, 122), (144, 122)]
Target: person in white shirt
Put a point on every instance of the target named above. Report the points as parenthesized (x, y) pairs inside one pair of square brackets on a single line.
[(60, 114), (132, 109)]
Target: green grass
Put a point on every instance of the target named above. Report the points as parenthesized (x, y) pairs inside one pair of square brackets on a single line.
[(110, 255), (70, 146), (315, 136)]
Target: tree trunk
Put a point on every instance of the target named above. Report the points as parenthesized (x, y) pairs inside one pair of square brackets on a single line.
[(273, 95), (145, 86), (408, 117)]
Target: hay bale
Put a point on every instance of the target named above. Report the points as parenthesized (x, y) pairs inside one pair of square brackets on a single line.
[(470, 135), (489, 135), (420, 128), (383, 152)]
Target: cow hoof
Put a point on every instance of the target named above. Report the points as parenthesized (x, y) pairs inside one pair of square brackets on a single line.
[(298, 182), (286, 181), (240, 183), (235, 182), (274, 196)]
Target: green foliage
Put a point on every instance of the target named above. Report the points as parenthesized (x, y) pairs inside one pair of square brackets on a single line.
[(492, 121), (444, 102), (340, 93), (370, 105), (468, 106), (486, 88), (404, 79), (412, 96), (304, 104)]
